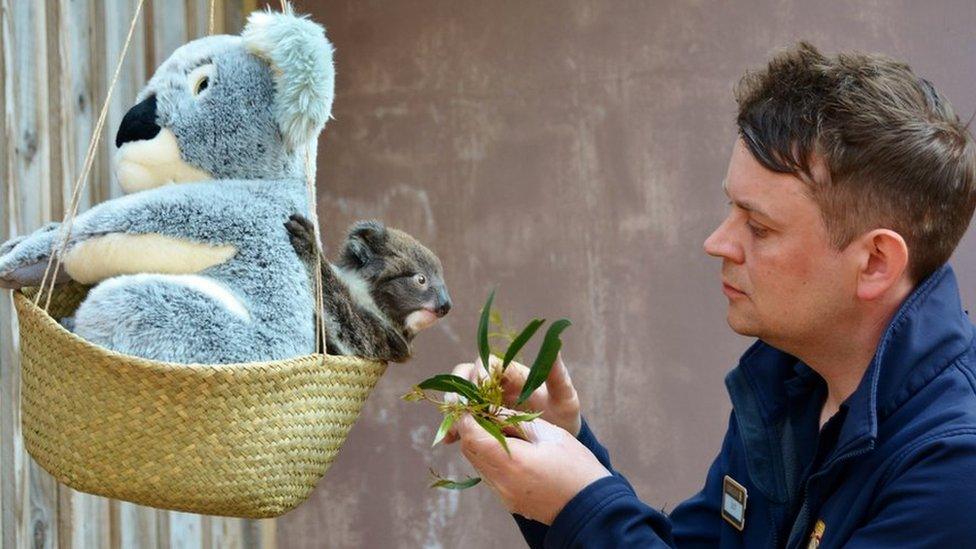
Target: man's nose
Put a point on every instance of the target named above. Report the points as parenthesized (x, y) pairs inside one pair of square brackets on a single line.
[(139, 123), (721, 244)]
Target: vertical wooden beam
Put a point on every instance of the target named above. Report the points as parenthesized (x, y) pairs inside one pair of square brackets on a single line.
[(36, 502), (8, 343)]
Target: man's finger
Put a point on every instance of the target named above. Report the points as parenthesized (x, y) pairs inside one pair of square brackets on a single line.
[(514, 380), (479, 442), (477, 445), (531, 432), (558, 383), (466, 370)]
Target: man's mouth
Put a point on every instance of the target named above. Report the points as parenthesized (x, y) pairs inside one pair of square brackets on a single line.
[(731, 291)]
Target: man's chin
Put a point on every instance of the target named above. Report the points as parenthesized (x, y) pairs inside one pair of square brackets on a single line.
[(742, 326)]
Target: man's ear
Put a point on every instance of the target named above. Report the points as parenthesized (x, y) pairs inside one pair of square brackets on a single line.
[(883, 263), (301, 60), (365, 240)]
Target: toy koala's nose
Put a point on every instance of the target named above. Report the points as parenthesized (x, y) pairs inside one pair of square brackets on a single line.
[(139, 123)]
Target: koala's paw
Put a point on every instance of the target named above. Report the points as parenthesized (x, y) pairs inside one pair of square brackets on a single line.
[(301, 232), (29, 275), (9, 245)]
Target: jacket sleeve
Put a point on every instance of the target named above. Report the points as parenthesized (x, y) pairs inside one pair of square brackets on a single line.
[(535, 532), (608, 513), (928, 500)]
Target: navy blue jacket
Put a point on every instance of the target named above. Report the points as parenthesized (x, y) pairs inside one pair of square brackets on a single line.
[(895, 467)]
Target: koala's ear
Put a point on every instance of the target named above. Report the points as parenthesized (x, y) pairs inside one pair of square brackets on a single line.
[(366, 240), (301, 59)]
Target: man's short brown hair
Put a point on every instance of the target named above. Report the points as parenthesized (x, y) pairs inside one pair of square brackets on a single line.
[(896, 154)]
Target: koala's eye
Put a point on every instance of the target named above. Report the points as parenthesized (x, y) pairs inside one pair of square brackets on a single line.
[(199, 79), (202, 85), (420, 279)]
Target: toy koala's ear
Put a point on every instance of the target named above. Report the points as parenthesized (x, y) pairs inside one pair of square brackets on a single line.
[(301, 59), (365, 241)]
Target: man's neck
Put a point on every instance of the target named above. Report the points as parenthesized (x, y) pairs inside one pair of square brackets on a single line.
[(843, 355)]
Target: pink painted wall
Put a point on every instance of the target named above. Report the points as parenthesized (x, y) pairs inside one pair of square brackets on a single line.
[(570, 153)]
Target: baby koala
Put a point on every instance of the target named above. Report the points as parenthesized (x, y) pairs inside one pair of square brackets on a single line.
[(385, 288)]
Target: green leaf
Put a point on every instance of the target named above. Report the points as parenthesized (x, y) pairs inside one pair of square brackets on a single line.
[(493, 430), (445, 425), (543, 362), (454, 484), (519, 418), (450, 383), (524, 336), (483, 346)]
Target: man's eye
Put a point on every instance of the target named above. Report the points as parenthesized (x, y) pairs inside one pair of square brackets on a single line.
[(757, 231)]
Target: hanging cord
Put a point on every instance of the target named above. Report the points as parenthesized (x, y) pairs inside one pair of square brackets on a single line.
[(82, 179), (320, 333), (310, 164)]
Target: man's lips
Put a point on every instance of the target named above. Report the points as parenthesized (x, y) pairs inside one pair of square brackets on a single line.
[(731, 291)]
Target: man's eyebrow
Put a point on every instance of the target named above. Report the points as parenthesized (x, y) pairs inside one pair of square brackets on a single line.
[(746, 205)]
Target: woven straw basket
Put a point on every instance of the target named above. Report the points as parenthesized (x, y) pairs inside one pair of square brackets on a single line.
[(244, 440)]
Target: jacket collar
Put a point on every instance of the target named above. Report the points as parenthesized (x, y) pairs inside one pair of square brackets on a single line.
[(925, 335)]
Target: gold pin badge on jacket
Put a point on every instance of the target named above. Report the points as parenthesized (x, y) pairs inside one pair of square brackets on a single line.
[(816, 535)]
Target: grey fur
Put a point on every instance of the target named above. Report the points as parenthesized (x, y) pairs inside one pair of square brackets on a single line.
[(229, 131), (372, 326)]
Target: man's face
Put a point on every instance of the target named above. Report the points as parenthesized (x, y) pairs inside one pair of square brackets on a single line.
[(785, 283)]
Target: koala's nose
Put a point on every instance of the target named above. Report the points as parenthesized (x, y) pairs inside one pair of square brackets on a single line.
[(443, 303), (139, 123)]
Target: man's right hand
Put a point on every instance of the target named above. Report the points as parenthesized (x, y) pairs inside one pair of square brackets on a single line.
[(556, 399)]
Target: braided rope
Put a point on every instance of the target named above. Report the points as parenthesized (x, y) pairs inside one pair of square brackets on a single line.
[(83, 176)]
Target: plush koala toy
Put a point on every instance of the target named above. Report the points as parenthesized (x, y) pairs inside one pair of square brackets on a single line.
[(195, 264)]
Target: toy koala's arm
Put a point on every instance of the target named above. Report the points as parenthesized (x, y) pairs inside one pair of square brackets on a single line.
[(23, 259), (110, 239)]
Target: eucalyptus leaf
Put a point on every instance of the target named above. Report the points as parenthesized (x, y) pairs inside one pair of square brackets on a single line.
[(450, 383), (544, 360), (483, 348), (445, 426), (455, 484), (493, 430), (519, 418), (524, 336)]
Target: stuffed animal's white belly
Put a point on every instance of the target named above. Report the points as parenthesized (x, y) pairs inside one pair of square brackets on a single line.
[(116, 254)]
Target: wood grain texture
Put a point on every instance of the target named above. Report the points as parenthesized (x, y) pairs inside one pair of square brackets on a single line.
[(56, 64)]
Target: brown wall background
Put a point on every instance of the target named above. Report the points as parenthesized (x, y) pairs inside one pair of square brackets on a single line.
[(569, 152)]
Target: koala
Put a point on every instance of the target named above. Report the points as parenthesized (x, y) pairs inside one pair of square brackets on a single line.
[(385, 288), (193, 264)]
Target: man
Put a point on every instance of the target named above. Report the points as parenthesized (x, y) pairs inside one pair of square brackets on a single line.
[(854, 414)]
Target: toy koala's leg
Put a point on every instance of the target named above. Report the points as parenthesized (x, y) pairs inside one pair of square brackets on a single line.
[(173, 318)]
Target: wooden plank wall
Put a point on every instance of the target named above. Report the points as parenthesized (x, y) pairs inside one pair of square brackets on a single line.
[(57, 61)]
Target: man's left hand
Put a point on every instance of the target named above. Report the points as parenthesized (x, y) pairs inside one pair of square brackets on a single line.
[(543, 472)]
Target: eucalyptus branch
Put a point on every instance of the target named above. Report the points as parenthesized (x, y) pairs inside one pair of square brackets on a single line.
[(484, 399)]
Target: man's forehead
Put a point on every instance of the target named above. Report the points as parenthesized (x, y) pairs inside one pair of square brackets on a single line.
[(775, 198)]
